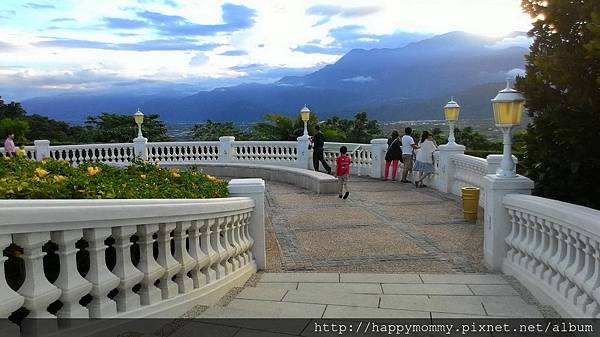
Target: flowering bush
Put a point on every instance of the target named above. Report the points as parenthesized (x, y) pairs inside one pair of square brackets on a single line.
[(21, 178)]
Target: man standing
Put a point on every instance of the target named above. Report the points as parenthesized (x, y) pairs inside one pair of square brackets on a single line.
[(408, 146), (318, 141), (9, 146)]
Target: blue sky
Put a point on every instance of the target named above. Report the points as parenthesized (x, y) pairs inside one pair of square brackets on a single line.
[(72, 46)]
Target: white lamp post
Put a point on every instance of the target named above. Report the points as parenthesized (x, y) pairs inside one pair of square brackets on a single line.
[(305, 115), (138, 116), (451, 112), (508, 108)]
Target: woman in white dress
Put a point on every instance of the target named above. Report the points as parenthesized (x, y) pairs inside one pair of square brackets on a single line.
[(424, 163)]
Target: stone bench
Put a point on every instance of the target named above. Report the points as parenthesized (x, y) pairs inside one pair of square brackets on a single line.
[(318, 182)]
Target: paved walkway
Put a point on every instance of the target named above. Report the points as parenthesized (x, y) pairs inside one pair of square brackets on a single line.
[(385, 227)]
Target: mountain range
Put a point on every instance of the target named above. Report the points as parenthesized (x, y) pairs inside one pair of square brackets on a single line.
[(408, 83)]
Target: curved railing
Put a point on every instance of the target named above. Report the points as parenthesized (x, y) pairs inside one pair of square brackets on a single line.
[(183, 151), (266, 152), (468, 171), (554, 247), (159, 256), (361, 154)]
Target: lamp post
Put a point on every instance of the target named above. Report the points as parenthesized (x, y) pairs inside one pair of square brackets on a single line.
[(451, 112), (305, 115), (138, 116), (508, 108)]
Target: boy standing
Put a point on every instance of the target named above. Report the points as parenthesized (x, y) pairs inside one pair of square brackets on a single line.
[(343, 171)]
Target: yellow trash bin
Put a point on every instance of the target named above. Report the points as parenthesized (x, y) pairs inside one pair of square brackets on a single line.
[(470, 198)]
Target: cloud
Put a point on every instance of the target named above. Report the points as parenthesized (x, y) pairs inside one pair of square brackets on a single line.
[(199, 59), (234, 53), (515, 72), (327, 12), (359, 79), (351, 37), (236, 17), (35, 5), (5, 47), (62, 20), (120, 23), (7, 14), (522, 41), (148, 45), (263, 73)]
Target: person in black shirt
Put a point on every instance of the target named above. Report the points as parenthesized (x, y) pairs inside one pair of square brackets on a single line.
[(318, 141)]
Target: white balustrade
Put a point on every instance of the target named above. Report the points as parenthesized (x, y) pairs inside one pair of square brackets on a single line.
[(362, 157), (554, 249), (267, 152), (29, 152), (211, 251), (117, 153), (168, 152), (468, 171)]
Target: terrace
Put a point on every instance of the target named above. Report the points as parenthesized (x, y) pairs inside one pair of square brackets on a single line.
[(389, 243)]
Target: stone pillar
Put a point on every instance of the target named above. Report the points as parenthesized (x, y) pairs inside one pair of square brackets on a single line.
[(378, 149), (446, 172), (496, 222), (493, 162), (303, 154), (42, 149), (255, 189), (226, 148), (139, 148)]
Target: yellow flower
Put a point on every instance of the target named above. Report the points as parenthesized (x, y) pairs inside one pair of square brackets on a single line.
[(40, 172), (211, 178), (175, 174), (6, 158), (81, 191), (36, 179), (44, 161), (93, 170), (143, 176), (58, 178), (21, 153)]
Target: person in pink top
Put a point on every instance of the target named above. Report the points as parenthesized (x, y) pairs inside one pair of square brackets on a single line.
[(343, 171), (9, 146)]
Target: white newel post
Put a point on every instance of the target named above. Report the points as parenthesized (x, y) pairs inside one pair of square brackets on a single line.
[(42, 149), (378, 150), (303, 153), (255, 189), (226, 148), (446, 173), (493, 162), (497, 223), (139, 148)]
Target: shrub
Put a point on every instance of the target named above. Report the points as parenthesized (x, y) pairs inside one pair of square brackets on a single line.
[(21, 178)]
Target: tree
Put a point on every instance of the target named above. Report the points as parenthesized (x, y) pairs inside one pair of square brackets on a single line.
[(562, 92), (211, 131), (281, 127), (358, 130), (113, 128), (13, 125)]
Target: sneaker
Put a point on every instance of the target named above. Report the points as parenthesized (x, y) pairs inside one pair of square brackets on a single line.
[(346, 195), (340, 196)]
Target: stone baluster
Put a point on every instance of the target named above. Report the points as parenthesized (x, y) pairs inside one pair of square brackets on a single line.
[(199, 278), (72, 284), (244, 241), (167, 287), (563, 263), (586, 272), (217, 242), (237, 260), (249, 238), (534, 241), (206, 244), (228, 244), (512, 237), (542, 247), (592, 285), (152, 271), (103, 281), (575, 288), (129, 275), (37, 291), (566, 267), (10, 299), (184, 282), (523, 242), (549, 254)]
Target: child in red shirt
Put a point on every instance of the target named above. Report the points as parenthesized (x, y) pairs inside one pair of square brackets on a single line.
[(343, 171)]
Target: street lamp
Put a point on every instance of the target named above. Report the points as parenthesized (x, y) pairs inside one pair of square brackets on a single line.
[(138, 116), (508, 108), (451, 112), (305, 115)]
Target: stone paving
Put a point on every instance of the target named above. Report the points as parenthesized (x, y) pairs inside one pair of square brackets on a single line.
[(383, 226)]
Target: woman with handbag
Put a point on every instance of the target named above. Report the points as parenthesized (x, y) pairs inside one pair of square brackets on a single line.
[(393, 155), (424, 163)]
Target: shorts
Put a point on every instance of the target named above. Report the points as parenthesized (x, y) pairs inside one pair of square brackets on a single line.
[(407, 159)]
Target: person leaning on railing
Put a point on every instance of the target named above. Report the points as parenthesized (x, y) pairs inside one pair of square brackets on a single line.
[(393, 155), (424, 162), (318, 142)]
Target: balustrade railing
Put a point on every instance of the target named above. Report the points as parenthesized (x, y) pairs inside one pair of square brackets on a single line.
[(115, 153), (183, 151), (117, 258), (29, 152), (468, 171), (556, 247), (278, 153), (362, 157)]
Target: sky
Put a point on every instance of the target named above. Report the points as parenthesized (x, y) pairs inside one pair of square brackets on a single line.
[(156, 46)]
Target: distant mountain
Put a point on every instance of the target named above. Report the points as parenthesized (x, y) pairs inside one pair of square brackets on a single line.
[(412, 82)]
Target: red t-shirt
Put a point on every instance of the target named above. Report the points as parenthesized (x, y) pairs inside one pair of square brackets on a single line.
[(343, 165)]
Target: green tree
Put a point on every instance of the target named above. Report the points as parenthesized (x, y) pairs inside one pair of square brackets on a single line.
[(281, 127), (211, 131), (113, 128), (17, 126), (562, 94), (358, 130)]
